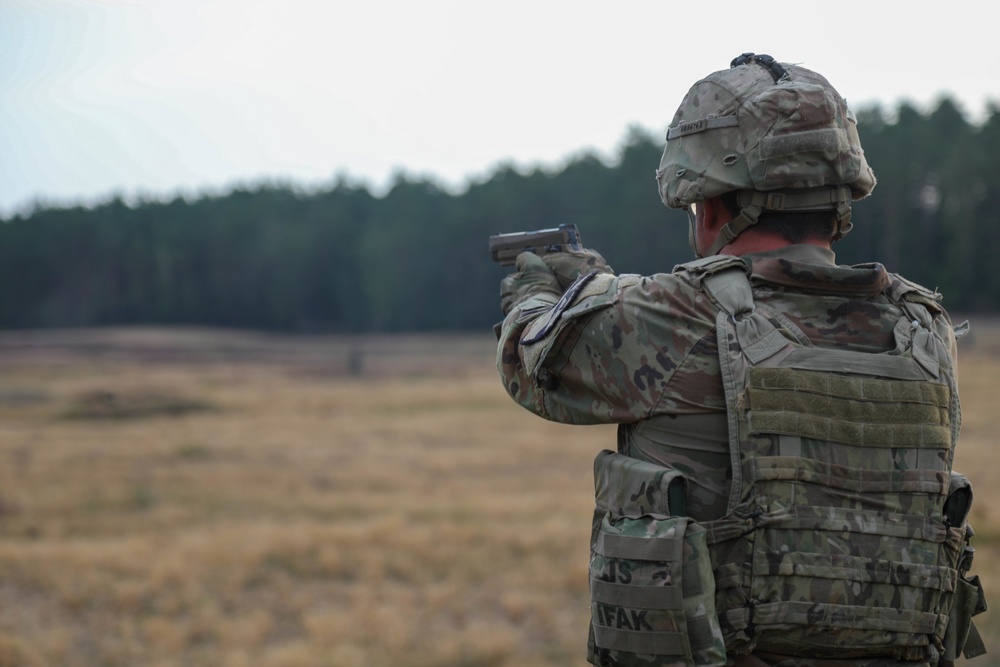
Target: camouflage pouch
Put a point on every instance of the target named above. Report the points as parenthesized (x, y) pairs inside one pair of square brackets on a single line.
[(961, 636), (651, 583)]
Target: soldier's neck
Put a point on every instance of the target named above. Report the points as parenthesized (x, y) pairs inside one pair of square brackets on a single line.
[(754, 241)]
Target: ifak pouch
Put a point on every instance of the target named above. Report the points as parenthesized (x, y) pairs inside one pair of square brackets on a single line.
[(651, 583)]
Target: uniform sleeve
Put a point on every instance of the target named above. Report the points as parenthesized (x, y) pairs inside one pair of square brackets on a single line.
[(607, 351)]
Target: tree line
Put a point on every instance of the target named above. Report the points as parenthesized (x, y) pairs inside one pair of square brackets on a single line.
[(340, 259)]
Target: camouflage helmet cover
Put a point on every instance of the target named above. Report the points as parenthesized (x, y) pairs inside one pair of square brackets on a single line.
[(764, 127)]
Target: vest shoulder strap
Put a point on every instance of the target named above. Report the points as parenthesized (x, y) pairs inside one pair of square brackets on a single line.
[(724, 278)]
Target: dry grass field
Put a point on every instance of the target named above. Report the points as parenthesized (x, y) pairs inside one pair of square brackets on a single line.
[(203, 498)]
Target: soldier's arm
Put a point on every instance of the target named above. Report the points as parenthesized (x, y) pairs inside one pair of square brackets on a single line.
[(604, 351)]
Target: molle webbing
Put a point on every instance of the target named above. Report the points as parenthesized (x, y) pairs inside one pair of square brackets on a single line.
[(845, 617), (845, 477), (853, 410), (835, 544)]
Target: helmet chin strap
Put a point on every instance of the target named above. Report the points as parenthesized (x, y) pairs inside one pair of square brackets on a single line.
[(747, 218), (752, 203), (844, 223)]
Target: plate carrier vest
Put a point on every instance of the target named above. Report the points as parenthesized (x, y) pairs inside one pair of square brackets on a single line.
[(846, 535)]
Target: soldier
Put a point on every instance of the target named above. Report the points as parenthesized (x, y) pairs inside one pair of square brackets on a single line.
[(782, 491)]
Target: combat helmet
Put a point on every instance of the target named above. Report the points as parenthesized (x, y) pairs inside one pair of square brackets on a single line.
[(778, 135)]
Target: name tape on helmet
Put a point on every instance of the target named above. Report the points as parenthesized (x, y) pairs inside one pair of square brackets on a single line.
[(701, 125)]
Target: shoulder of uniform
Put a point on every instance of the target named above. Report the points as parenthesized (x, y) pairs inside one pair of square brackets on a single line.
[(606, 288), (900, 289), (590, 292), (695, 271), (725, 279)]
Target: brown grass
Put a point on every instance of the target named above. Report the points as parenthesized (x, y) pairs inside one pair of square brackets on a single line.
[(213, 498)]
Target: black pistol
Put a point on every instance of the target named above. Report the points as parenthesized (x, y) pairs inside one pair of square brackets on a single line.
[(504, 248)]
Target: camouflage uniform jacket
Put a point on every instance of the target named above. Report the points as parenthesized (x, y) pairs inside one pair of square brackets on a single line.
[(641, 351)]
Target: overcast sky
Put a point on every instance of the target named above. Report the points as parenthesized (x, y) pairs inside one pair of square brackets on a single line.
[(157, 97)]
